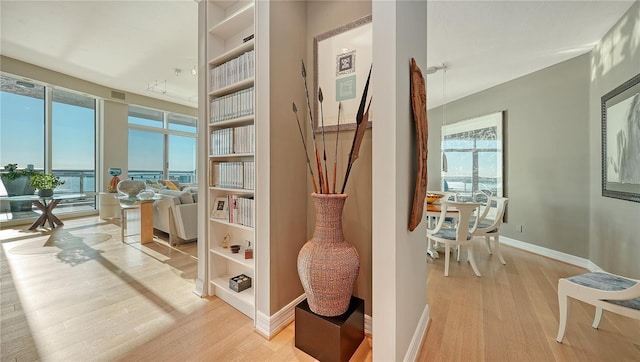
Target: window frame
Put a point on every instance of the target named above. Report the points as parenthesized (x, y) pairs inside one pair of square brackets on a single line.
[(166, 132)]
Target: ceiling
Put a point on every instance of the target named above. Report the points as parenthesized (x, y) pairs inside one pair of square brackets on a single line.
[(486, 43), (136, 46), (133, 46)]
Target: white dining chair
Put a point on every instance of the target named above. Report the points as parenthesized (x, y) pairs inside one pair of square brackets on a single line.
[(605, 291), (460, 234), (490, 222), (432, 221)]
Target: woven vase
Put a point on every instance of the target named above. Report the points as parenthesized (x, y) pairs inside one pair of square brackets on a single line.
[(327, 264)]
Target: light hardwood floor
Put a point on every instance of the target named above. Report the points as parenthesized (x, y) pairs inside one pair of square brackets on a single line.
[(511, 314), (79, 294)]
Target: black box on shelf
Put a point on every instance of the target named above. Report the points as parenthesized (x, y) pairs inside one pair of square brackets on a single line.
[(240, 283)]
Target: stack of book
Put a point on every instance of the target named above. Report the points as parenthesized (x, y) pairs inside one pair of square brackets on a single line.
[(249, 175), (235, 175), (233, 71), (238, 140), (234, 105), (242, 210)]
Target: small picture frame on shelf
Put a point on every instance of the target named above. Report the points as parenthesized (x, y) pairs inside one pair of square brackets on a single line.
[(220, 208)]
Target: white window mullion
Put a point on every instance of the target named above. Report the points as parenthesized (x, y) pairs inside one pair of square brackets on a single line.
[(101, 183), (165, 118), (48, 129)]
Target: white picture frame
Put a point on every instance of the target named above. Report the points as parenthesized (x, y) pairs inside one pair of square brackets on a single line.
[(342, 59), (220, 209)]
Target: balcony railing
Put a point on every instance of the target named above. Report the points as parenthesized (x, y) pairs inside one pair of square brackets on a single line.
[(182, 176)]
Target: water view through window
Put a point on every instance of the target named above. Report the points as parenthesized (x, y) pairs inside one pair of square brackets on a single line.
[(24, 140), (161, 145)]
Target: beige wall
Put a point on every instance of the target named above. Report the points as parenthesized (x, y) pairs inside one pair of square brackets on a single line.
[(546, 152), (30, 71), (400, 310), (323, 16), (114, 134), (614, 242), (287, 165), (553, 152)]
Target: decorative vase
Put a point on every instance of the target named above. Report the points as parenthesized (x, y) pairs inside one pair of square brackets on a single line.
[(45, 193), (18, 187), (327, 264)]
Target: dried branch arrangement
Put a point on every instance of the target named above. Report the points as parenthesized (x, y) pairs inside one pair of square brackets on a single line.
[(362, 118)]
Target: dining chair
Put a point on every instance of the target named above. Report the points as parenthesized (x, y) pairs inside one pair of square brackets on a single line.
[(460, 234), (432, 221), (128, 190), (605, 291), (489, 224)]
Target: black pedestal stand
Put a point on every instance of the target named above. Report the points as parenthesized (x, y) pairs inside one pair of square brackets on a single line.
[(330, 338)]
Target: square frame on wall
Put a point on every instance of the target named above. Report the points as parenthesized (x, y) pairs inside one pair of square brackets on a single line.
[(620, 111), (342, 59)]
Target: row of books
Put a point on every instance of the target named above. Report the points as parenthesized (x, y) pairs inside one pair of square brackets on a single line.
[(234, 105), (233, 71), (235, 175), (242, 210), (235, 140)]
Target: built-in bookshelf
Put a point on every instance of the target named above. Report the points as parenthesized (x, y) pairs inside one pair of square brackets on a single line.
[(231, 131)]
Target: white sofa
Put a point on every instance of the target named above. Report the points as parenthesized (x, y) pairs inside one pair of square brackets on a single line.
[(176, 213)]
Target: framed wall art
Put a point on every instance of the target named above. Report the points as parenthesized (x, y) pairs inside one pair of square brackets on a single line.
[(621, 141), (342, 59)]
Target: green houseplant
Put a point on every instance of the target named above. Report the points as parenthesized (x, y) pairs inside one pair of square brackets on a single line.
[(16, 183), (12, 172), (45, 183)]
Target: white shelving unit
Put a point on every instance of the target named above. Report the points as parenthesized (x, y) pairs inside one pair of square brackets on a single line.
[(230, 27)]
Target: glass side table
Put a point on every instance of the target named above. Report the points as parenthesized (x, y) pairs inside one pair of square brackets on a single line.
[(46, 205)]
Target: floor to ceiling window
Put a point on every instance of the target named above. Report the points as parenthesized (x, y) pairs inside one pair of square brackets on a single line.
[(73, 140), (61, 141), (161, 145), (21, 123)]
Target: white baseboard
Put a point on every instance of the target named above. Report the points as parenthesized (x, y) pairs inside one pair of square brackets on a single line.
[(368, 325), (418, 336), (550, 253), (199, 288), (593, 267), (269, 326)]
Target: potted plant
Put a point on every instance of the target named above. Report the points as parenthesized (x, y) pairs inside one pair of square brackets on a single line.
[(45, 183), (16, 183)]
